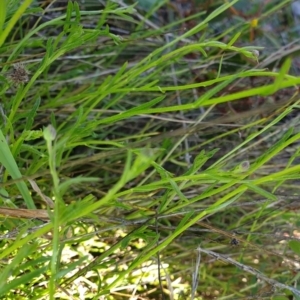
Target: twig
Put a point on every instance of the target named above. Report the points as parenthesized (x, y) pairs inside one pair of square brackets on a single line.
[(195, 275), (250, 270)]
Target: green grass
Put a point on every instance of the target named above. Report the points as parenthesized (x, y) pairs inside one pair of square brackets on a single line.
[(161, 162)]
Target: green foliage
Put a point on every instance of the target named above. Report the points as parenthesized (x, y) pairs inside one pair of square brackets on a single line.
[(12, 21), (117, 164)]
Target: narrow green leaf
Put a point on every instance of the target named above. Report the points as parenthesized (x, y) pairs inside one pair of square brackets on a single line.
[(280, 78), (77, 12), (17, 15), (23, 280), (164, 201), (164, 174), (68, 16), (131, 112), (220, 66), (50, 47), (275, 148), (283, 71), (234, 39), (70, 267), (211, 92), (219, 10), (2, 15), (221, 204), (184, 220), (32, 113), (14, 265), (199, 161), (261, 191), (117, 76), (177, 190), (52, 44), (53, 120), (8, 161)]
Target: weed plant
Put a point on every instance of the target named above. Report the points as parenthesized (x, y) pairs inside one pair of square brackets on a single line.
[(145, 162)]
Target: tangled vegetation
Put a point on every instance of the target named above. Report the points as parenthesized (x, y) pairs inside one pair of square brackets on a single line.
[(150, 150)]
